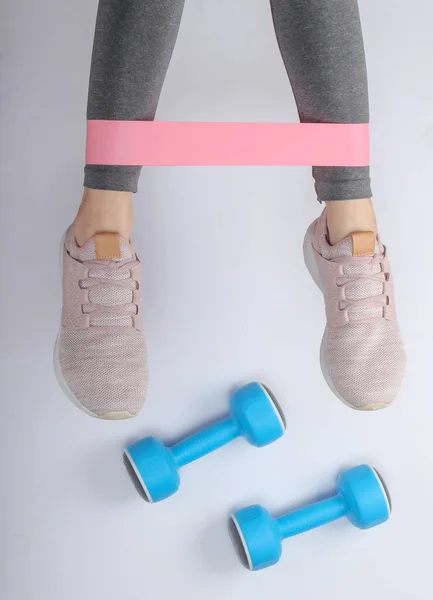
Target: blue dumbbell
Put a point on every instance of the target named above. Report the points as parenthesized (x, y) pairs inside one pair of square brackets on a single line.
[(361, 497), (254, 414)]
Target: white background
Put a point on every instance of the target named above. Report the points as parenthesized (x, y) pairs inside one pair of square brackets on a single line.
[(226, 299)]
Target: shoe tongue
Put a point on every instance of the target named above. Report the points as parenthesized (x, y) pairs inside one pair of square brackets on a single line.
[(102, 246)]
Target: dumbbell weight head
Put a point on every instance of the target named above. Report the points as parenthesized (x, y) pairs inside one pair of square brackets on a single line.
[(366, 497), (257, 414), (255, 537), (154, 467)]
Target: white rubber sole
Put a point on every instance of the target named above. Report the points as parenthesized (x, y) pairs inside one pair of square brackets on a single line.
[(111, 416), (311, 265)]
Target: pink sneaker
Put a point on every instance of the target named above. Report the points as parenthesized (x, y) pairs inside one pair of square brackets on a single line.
[(100, 354), (362, 354)]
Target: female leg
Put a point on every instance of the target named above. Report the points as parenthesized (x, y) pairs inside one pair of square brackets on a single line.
[(362, 354), (100, 353)]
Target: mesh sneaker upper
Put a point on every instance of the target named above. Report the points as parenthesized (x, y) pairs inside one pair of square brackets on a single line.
[(363, 356), (101, 350), (105, 371)]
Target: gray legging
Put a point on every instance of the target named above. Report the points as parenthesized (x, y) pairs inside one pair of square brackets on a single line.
[(321, 45)]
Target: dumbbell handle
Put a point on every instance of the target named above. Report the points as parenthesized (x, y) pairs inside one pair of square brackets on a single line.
[(312, 516), (205, 441)]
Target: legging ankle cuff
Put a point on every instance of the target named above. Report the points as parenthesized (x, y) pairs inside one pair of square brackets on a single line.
[(119, 179), (342, 183)]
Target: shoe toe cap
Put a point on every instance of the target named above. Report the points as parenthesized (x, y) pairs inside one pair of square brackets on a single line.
[(364, 363), (104, 372)]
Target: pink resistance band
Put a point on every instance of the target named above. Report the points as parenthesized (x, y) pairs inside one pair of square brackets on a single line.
[(159, 143)]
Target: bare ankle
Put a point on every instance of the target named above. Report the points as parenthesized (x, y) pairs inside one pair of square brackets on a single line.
[(347, 216), (103, 210)]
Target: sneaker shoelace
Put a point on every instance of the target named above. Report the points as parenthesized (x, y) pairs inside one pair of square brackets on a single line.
[(111, 288), (363, 286)]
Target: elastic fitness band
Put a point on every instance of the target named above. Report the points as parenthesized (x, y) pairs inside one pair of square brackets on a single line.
[(159, 143)]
